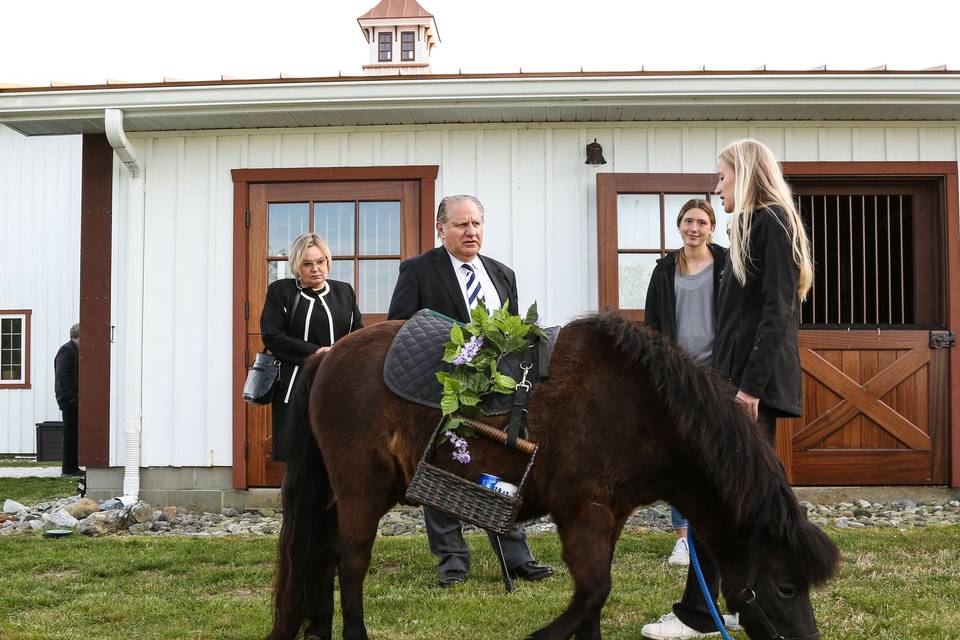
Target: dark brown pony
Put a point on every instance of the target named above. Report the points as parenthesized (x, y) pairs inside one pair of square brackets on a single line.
[(624, 419)]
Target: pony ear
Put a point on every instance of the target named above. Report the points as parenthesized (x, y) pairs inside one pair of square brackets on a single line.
[(817, 553)]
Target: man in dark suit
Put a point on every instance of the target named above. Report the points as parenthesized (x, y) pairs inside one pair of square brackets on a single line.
[(452, 279), (66, 367)]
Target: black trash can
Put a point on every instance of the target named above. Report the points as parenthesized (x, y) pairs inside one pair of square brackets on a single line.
[(49, 441)]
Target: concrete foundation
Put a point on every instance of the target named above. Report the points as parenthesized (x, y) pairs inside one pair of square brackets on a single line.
[(195, 488), (210, 489)]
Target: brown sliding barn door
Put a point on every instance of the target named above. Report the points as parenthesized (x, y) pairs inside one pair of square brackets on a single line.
[(370, 227), (876, 373)]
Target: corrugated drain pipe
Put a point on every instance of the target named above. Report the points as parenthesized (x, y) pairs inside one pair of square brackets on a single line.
[(133, 348)]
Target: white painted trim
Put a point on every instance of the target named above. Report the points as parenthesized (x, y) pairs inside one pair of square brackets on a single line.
[(816, 90)]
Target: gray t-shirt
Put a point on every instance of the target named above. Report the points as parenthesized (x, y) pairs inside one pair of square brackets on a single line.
[(695, 321)]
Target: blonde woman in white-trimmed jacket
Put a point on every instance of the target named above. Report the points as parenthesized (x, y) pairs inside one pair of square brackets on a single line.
[(301, 316)]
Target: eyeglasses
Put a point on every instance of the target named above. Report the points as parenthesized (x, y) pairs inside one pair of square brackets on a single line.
[(310, 266)]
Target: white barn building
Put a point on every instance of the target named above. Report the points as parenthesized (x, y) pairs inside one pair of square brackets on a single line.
[(192, 191)]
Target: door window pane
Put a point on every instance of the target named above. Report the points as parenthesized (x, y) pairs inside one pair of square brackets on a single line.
[(379, 228), (722, 235), (277, 270), (377, 279), (286, 222), (342, 270), (634, 270), (638, 221), (333, 221)]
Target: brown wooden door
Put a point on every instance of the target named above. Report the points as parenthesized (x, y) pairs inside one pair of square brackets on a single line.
[(370, 226), (876, 395), (874, 410)]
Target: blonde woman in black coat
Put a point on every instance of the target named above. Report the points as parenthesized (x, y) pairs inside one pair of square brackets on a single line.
[(303, 315), (767, 275)]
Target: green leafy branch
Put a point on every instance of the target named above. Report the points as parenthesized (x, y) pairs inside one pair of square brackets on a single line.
[(476, 350)]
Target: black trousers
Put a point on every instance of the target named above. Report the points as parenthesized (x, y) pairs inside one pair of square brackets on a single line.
[(445, 535), (69, 439), (692, 609)]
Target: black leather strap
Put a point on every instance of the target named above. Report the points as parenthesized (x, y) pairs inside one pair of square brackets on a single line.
[(518, 413), (293, 310), (751, 608)]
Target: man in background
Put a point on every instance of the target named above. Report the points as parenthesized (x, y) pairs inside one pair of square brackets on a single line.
[(66, 366)]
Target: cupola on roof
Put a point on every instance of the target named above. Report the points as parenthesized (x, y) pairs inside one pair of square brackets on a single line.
[(401, 35), (397, 9)]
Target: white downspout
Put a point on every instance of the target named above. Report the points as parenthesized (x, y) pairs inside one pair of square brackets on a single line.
[(133, 349)]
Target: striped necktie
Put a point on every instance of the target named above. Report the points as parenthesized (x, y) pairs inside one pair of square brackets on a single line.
[(474, 292)]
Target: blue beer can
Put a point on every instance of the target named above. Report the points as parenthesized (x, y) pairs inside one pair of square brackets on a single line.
[(488, 480)]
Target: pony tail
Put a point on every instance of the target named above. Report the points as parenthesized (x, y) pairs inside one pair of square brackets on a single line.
[(308, 547), (681, 261)]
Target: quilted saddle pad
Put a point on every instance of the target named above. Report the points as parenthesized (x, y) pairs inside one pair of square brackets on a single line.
[(416, 355)]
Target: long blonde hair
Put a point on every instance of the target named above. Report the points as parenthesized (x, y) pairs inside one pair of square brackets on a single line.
[(759, 184)]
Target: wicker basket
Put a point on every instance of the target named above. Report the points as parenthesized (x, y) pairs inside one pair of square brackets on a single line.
[(470, 502)]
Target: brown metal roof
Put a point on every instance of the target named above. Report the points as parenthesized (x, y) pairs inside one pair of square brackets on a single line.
[(396, 9), (285, 79)]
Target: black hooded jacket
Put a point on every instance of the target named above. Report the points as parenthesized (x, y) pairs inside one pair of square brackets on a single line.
[(660, 312), (758, 321)]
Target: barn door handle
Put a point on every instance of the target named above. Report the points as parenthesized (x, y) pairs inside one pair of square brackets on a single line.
[(942, 339)]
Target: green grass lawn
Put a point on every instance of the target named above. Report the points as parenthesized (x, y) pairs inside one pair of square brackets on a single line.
[(893, 585), (13, 462), (30, 491)]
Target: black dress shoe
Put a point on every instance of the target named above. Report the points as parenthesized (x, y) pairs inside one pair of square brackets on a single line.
[(450, 578), (532, 571)]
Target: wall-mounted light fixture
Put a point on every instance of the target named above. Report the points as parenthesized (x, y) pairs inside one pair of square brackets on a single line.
[(595, 153)]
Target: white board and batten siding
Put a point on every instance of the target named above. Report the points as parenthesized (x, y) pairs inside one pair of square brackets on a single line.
[(540, 202), (39, 267)]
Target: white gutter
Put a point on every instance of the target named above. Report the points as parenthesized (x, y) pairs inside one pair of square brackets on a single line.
[(133, 347), (113, 127), (159, 104)]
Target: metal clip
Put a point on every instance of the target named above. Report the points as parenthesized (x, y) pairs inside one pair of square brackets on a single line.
[(523, 384)]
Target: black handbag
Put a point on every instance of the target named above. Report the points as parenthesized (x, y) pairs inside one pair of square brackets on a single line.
[(261, 379), (264, 374)]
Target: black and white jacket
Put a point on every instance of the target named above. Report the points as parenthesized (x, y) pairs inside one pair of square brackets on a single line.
[(321, 318)]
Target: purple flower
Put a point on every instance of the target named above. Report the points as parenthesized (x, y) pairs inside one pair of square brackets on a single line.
[(461, 451), (469, 351)]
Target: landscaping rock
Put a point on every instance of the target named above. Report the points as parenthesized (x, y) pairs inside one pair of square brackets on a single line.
[(101, 523), (60, 519), (12, 506), (138, 513), (142, 519), (82, 508)]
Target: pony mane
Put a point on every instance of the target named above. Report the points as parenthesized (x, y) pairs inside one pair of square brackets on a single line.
[(731, 449)]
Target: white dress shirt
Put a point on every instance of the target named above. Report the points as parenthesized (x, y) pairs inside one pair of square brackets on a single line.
[(490, 296)]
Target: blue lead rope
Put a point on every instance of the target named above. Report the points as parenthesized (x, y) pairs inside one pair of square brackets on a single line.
[(704, 589)]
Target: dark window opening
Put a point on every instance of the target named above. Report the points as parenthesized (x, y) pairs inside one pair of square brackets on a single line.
[(385, 43), (407, 46), (863, 255)]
